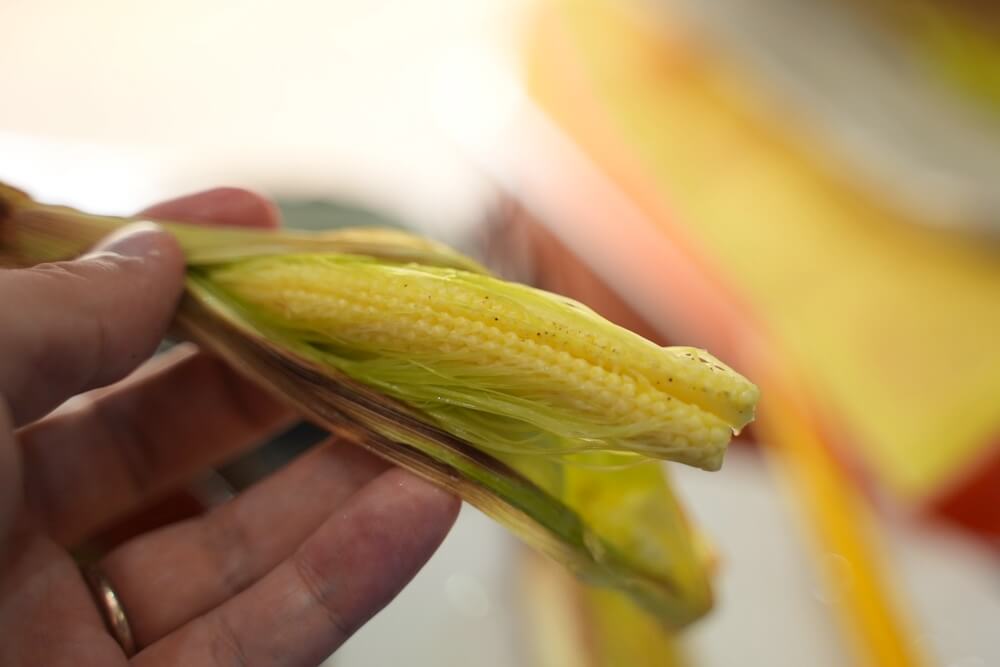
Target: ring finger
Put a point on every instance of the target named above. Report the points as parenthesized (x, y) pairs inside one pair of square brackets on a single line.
[(172, 575)]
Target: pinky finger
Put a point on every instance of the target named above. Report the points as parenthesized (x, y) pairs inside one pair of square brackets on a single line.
[(309, 605)]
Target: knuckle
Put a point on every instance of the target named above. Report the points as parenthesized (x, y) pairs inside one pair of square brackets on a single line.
[(226, 647), (227, 543), (125, 441), (311, 581)]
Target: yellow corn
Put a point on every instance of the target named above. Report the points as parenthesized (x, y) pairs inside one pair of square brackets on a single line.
[(483, 346), (530, 406)]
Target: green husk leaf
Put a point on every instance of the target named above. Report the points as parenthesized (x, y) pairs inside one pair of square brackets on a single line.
[(43, 233)]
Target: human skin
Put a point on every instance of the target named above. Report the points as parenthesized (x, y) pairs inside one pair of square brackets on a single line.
[(282, 574)]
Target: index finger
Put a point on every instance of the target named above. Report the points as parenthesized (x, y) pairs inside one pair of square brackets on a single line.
[(222, 206), (109, 453), (72, 326)]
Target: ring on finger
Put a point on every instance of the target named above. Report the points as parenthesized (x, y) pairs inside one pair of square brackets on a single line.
[(111, 608)]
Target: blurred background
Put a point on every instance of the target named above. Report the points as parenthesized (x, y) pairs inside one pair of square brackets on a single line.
[(809, 190)]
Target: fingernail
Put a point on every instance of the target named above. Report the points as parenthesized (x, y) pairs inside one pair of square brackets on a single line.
[(139, 239)]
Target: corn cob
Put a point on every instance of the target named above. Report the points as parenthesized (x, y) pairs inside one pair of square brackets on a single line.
[(502, 365), (528, 405)]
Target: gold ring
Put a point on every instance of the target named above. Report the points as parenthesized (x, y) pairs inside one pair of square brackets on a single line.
[(111, 608)]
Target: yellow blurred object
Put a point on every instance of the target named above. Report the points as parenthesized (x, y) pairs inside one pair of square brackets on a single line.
[(891, 323), (569, 624), (857, 322), (847, 551)]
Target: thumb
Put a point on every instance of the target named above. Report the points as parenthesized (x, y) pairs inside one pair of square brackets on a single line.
[(71, 326)]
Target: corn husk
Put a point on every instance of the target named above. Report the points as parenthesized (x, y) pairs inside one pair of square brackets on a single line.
[(534, 409), (569, 624)]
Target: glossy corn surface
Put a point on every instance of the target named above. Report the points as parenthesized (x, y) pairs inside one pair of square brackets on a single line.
[(504, 365)]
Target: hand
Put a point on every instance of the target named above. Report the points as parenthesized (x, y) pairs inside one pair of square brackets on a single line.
[(282, 574)]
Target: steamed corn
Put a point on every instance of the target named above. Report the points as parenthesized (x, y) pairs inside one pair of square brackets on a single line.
[(530, 406), (503, 365)]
